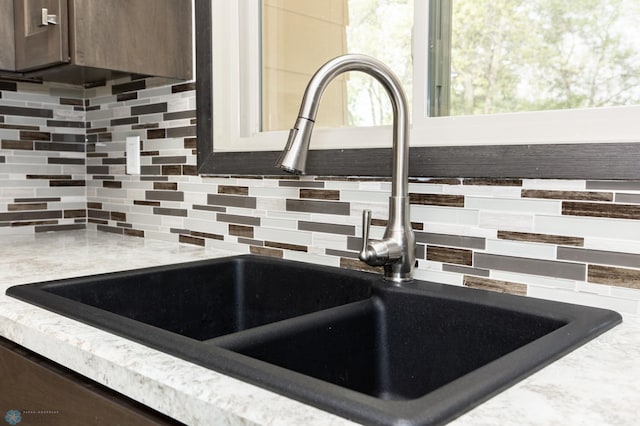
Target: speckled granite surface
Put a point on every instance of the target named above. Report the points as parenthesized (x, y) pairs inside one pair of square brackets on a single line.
[(598, 384)]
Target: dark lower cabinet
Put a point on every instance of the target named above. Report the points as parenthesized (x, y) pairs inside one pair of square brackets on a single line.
[(37, 391)]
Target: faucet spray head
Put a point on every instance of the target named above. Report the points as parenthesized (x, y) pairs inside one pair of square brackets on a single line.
[(294, 156)]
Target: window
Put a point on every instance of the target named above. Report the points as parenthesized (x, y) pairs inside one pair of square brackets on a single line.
[(537, 55), (299, 36), (469, 84)]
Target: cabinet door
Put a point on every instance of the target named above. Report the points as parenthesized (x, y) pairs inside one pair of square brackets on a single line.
[(151, 37), (46, 394), (7, 41), (41, 32)]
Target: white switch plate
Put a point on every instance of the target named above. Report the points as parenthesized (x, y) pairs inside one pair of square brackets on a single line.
[(133, 155)]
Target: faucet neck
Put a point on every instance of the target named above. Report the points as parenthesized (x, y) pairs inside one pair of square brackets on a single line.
[(378, 70)]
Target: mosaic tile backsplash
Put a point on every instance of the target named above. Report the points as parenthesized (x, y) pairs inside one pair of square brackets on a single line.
[(568, 240), (42, 158)]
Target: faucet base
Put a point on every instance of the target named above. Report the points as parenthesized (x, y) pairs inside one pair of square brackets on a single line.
[(397, 279)]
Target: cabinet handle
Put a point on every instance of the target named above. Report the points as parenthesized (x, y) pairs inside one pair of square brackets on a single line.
[(47, 19)]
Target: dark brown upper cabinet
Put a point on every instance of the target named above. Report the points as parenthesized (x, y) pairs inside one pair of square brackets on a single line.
[(90, 41)]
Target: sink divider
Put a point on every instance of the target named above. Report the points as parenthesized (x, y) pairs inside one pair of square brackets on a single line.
[(257, 335)]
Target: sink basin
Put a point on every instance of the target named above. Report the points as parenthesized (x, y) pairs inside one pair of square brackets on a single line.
[(399, 345), (344, 341), (204, 299)]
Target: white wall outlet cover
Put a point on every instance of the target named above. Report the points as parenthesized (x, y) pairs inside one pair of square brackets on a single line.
[(133, 155)]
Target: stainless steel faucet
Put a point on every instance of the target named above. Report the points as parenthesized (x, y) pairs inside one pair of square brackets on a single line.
[(396, 250)]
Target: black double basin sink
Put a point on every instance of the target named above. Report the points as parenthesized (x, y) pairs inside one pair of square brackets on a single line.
[(344, 341)]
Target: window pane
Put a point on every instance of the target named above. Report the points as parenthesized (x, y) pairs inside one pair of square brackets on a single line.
[(515, 55), (298, 36)]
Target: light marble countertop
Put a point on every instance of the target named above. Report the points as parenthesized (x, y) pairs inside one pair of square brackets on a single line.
[(597, 384)]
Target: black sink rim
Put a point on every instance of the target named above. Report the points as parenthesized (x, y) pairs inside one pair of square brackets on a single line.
[(467, 391)]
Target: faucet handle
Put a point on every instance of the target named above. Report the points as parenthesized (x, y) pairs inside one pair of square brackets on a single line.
[(365, 253), (374, 252), (366, 225)]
